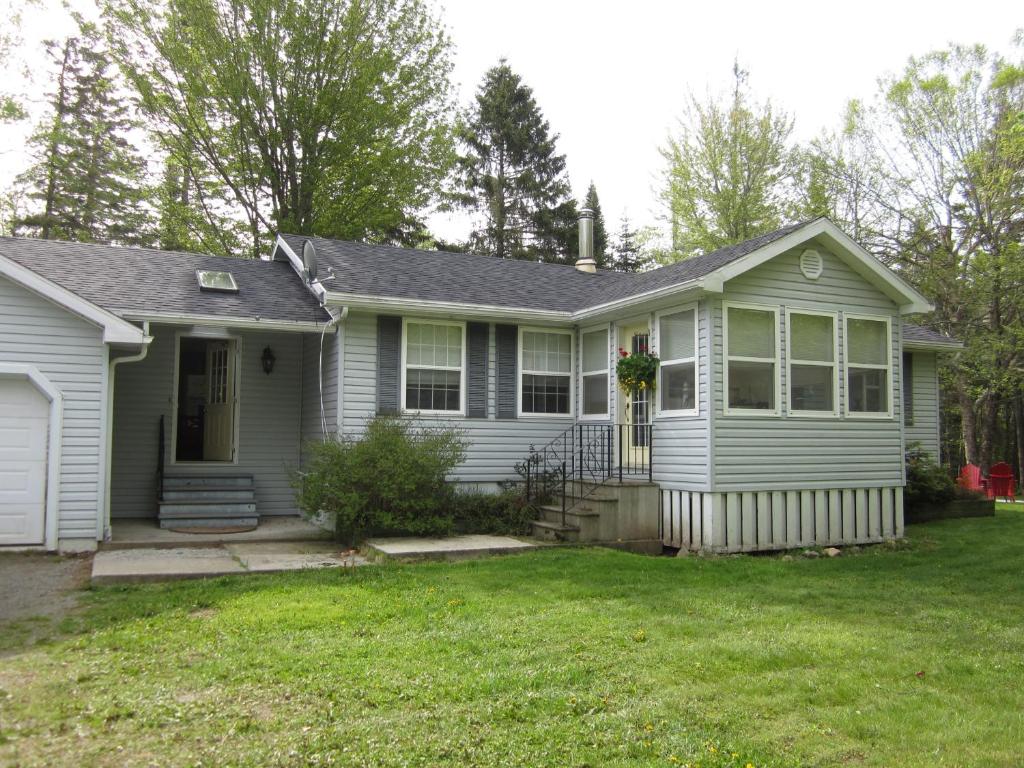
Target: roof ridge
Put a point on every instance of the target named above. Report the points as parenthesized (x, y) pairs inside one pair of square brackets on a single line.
[(136, 248)]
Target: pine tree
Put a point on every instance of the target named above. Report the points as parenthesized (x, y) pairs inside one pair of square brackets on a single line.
[(87, 182), (592, 202), (628, 255), (512, 175)]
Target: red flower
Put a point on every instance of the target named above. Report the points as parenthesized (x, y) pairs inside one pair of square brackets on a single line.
[(623, 352)]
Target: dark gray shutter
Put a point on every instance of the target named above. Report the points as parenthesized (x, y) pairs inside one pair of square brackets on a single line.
[(505, 370), (908, 388), (389, 359), (476, 377)]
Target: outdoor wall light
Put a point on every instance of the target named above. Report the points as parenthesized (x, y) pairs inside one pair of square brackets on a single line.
[(268, 360)]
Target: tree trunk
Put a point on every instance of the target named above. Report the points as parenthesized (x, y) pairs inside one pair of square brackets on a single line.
[(968, 424), (989, 408), (1018, 418)]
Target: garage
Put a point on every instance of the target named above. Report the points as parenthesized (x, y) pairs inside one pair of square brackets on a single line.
[(24, 430)]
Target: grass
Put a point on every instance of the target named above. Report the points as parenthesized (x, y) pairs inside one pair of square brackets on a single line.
[(897, 656)]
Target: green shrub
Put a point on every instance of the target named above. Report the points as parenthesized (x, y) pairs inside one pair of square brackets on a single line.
[(506, 513), (391, 480), (927, 482)]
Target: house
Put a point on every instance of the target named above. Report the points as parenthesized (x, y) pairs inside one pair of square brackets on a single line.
[(182, 387)]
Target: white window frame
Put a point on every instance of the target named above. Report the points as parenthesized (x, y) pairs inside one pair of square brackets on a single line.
[(607, 373), (671, 413), (520, 372), (834, 413), (888, 414), (461, 325), (726, 358)]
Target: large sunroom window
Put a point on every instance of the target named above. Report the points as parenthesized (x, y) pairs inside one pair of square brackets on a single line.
[(812, 363), (545, 384), (433, 373), (677, 348), (594, 370), (751, 360), (868, 366)]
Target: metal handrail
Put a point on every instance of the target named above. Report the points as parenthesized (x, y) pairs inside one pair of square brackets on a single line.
[(575, 463)]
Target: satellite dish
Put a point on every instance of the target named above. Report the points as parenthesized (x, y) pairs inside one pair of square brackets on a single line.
[(309, 260)]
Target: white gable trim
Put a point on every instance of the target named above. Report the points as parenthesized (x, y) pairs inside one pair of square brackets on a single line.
[(115, 330), (863, 263)]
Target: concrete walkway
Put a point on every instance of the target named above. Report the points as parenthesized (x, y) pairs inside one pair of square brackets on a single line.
[(116, 566), (448, 548), (131, 534)]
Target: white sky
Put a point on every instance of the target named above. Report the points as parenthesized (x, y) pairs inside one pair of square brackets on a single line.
[(612, 77)]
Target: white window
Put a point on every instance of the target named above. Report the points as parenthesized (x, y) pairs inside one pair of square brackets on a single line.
[(433, 369), (813, 368), (751, 359), (868, 366), (545, 365), (594, 365), (677, 375)]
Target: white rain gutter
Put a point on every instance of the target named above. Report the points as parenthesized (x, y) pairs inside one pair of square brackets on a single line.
[(108, 448)]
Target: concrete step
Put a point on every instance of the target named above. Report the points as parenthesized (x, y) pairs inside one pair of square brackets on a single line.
[(209, 522), (199, 508), (547, 531), (205, 481), (209, 493), (446, 548)]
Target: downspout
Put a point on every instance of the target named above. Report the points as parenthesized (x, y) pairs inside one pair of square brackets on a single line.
[(335, 319), (109, 443)]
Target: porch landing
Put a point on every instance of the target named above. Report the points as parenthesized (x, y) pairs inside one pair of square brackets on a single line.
[(132, 534)]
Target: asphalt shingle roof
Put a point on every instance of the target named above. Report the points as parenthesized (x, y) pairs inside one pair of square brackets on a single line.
[(919, 333), (140, 280), (409, 273)]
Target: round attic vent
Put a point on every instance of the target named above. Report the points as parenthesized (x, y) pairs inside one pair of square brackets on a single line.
[(811, 264)]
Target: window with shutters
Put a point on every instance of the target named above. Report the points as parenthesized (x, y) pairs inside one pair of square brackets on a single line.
[(868, 366), (751, 359), (594, 370), (677, 374), (812, 377), (433, 367), (545, 372)]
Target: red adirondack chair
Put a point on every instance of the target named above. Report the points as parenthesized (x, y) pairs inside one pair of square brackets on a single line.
[(971, 479), (1000, 482)]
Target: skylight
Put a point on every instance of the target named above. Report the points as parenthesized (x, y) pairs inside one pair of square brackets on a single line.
[(216, 281)]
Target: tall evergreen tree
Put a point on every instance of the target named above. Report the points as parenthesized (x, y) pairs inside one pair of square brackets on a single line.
[(513, 176), (592, 202), (87, 181), (628, 254), (728, 171)]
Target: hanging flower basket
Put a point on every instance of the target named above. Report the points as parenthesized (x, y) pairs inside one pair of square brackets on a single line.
[(637, 372)]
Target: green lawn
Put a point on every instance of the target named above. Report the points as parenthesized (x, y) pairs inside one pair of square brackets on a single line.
[(907, 655)]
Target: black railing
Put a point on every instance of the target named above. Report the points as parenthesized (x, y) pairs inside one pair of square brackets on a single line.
[(574, 464)]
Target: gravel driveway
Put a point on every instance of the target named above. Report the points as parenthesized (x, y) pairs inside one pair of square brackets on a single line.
[(40, 585)]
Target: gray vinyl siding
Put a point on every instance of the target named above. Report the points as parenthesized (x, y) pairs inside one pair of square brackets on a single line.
[(754, 453), (311, 428), (680, 443), (925, 384), (270, 416), (494, 446), (70, 352)]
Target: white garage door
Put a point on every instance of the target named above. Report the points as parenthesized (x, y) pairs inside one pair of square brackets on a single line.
[(24, 423)]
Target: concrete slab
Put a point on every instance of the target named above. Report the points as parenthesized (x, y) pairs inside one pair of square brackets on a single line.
[(451, 547), (268, 557), (129, 534), (131, 565)]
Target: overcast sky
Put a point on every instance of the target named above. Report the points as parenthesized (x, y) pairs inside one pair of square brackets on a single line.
[(612, 77)]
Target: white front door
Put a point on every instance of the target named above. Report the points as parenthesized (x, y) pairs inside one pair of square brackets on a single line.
[(635, 406), (219, 423), (24, 433)]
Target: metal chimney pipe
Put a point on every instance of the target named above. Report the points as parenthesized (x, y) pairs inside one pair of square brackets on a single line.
[(586, 263)]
